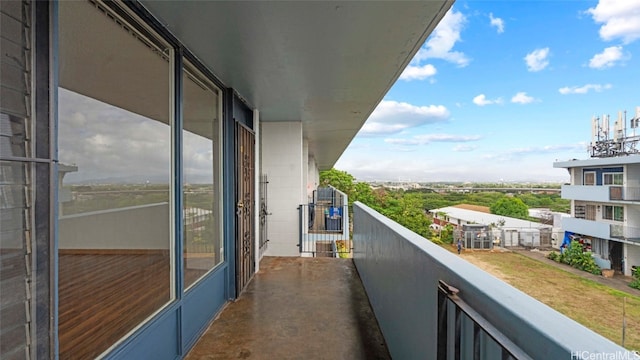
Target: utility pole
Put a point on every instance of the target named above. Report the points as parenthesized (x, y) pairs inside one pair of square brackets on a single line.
[(624, 320)]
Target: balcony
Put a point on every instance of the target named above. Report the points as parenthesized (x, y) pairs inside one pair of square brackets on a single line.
[(593, 228), (324, 225), (604, 193), (625, 193), (629, 233), (586, 193), (428, 303)]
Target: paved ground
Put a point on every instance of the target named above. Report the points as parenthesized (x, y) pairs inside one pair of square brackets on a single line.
[(297, 308), (618, 282)]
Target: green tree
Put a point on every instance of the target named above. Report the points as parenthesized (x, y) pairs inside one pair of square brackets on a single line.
[(408, 211), (511, 207), (339, 179), (405, 208), (362, 192)]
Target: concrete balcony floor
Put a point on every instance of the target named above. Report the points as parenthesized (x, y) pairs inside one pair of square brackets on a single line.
[(297, 308)]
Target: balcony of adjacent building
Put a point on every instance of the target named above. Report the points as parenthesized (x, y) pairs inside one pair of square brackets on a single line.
[(324, 224), (623, 232), (601, 229), (601, 193), (583, 226), (400, 296)]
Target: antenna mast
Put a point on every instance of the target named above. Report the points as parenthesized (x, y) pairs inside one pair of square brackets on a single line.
[(606, 142)]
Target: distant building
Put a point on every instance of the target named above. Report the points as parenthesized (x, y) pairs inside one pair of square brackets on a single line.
[(605, 195), (503, 230), (605, 208)]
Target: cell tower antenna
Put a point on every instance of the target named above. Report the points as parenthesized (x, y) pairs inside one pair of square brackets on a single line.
[(635, 120), (618, 128), (594, 130)]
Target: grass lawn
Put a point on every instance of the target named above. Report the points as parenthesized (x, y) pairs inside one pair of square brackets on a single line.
[(595, 306)]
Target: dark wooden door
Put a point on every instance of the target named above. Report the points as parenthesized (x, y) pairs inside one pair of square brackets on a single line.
[(615, 254), (245, 233)]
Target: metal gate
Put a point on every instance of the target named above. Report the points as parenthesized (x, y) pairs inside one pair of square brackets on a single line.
[(465, 334), (264, 212), (245, 234), (325, 225)]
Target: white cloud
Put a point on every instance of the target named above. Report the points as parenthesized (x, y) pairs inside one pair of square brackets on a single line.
[(429, 138), (109, 144), (607, 58), (537, 59), (464, 148), (620, 19), (392, 117), (113, 145), (481, 100), (522, 98), (413, 72), (441, 42), (584, 89), (497, 22), (518, 153)]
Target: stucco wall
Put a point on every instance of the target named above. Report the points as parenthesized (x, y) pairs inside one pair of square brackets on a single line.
[(632, 175), (400, 271), (633, 257), (282, 161)]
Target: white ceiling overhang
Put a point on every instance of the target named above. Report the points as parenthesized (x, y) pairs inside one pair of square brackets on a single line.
[(324, 63)]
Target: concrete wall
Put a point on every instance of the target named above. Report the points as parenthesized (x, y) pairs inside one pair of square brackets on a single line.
[(632, 257), (576, 176), (305, 169), (599, 229), (282, 161), (400, 271), (586, 193), (632, 175), (139, 227), (313, 175)]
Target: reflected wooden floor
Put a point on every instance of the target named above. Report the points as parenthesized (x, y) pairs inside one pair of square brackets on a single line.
[(104, 296)]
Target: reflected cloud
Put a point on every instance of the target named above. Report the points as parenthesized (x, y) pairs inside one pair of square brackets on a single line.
[(112, 145)]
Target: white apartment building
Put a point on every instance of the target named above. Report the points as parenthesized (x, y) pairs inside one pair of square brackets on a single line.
[(605, 208)]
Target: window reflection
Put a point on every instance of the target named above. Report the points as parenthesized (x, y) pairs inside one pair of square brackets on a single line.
[(201, 166), (114, 178)]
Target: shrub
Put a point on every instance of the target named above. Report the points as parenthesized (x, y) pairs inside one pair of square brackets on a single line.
[(635, 283), (554, 256), (575, 256)]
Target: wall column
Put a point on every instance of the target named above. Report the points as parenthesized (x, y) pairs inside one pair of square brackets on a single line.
[(283, 162)]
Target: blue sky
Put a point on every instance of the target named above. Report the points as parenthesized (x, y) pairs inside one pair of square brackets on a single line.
[(503, 89)]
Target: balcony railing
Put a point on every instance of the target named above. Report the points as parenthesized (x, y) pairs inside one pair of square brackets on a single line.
[(593, 228), (409, 282), (625, 193), (629, 233), (324, 225), (601, 193)]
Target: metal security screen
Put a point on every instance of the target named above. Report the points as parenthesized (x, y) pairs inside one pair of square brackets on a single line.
[(264, 212), (245, 234)]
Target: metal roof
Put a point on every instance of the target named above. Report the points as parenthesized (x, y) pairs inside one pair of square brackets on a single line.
[(486, 219)]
